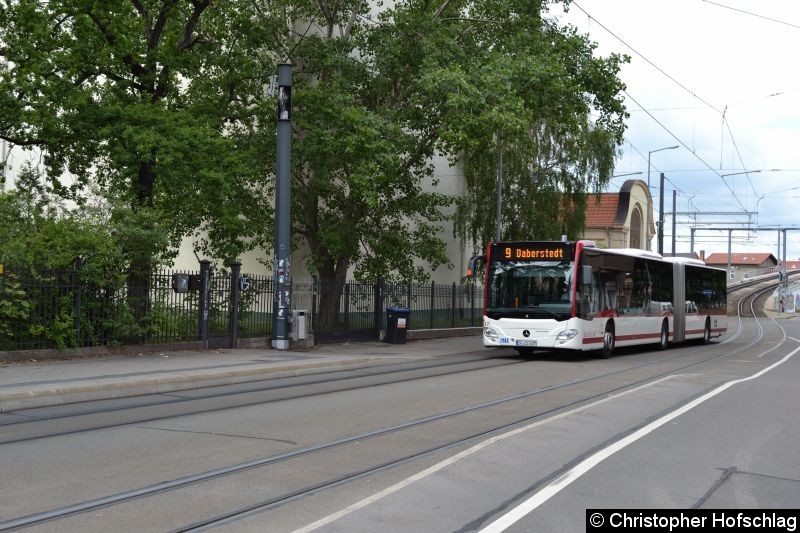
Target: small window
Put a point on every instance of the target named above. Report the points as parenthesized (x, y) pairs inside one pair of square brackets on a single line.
[(636, 228)]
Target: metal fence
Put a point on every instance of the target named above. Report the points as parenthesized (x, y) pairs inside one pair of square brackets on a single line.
[(65, 309)]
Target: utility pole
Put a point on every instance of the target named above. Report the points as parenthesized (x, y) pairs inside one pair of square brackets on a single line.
[(674, 218), (3, 166), (282, 300), (499, 216), (784, 248), (730, 254), (661, 216)]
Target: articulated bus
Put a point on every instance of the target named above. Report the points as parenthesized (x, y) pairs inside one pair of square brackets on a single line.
[(576, 296)]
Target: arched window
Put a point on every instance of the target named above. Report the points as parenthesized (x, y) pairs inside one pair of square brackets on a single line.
[(636, 227)]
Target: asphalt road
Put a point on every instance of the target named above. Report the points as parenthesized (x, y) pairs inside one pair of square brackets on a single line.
[(482, 436)]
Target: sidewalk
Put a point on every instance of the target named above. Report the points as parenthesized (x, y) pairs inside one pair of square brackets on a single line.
[(34, 383), (777, 314)]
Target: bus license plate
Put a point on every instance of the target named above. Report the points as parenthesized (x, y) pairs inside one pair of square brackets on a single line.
[(524, 342)]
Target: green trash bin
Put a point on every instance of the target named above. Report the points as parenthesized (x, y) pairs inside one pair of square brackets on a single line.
[(397, 324)]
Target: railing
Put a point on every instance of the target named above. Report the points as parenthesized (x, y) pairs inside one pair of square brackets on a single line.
[(42, 310)]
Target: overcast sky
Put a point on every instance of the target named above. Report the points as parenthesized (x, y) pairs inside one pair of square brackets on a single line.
[(691, 62)]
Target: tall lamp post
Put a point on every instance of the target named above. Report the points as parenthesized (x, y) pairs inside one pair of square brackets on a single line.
[(650, 212), (648, 159), (498, 223), (758, 202), (3, 160), (282, 299), (661, 216)]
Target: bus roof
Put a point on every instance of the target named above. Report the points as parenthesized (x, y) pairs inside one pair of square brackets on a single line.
[(685, 260), (635, 252)]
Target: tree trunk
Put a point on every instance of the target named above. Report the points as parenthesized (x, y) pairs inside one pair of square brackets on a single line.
[(140, 253), (333, 276)]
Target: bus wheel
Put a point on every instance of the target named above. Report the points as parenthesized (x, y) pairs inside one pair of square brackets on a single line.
[(608, 341), (707, 332), (663, 343)]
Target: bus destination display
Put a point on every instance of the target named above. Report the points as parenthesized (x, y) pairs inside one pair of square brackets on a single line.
[(531, 251)]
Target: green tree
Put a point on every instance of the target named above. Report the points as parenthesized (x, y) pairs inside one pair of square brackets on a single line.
[(53, 256), (378, 95), (150, 101), (558, 116), (163, 105)]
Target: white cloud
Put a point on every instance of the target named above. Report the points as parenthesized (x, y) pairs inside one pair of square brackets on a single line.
[(730, 61)]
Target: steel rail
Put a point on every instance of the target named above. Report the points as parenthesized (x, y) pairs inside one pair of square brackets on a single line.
[(183, 481)]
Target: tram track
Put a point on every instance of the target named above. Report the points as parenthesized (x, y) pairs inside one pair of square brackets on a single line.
[(651, 372), (243, 395)]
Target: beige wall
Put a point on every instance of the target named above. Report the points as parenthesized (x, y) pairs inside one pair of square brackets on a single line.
[(451, 182)]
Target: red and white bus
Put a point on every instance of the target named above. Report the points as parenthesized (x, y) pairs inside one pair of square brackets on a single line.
[(573, 295)]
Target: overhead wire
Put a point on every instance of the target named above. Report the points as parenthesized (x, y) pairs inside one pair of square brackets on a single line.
[(753, 14), (687, 148), (682, 86)]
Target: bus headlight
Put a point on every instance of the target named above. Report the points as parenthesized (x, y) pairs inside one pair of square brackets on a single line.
[(490, 333), (566, 335)]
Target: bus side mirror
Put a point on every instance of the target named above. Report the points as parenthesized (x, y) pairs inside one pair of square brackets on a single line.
[(586, 275), (474, 264)]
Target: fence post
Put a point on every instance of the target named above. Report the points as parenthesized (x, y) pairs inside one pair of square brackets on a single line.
[(233, 315), (78, 290), (347, 311), (433, 301), (314, 282), (205, 300), (453, 306), (472, 304), (377, 318)]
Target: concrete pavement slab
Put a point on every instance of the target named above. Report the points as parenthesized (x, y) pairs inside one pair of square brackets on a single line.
[(33, 383)]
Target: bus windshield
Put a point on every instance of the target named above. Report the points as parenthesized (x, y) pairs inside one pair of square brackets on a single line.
[(530, 289)]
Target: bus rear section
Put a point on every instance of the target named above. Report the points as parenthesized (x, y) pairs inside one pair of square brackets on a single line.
[(702, 292), (629, 300)]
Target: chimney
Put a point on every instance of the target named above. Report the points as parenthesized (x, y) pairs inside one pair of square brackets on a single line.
[(702, 255)]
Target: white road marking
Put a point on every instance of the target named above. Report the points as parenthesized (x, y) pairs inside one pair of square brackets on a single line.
[(461, 455), (513, 516)]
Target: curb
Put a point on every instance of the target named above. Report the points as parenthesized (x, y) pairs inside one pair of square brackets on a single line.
[(18, 398)]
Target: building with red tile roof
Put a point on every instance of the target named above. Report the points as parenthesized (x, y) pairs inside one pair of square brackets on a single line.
[(744, 264), (746, 259), (623, 219)]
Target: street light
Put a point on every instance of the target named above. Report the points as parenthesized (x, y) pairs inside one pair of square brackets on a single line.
[(626, 174), (723, 176), (661, 216), (3, 162), (648, 160), (750, 172), (758, 202)]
